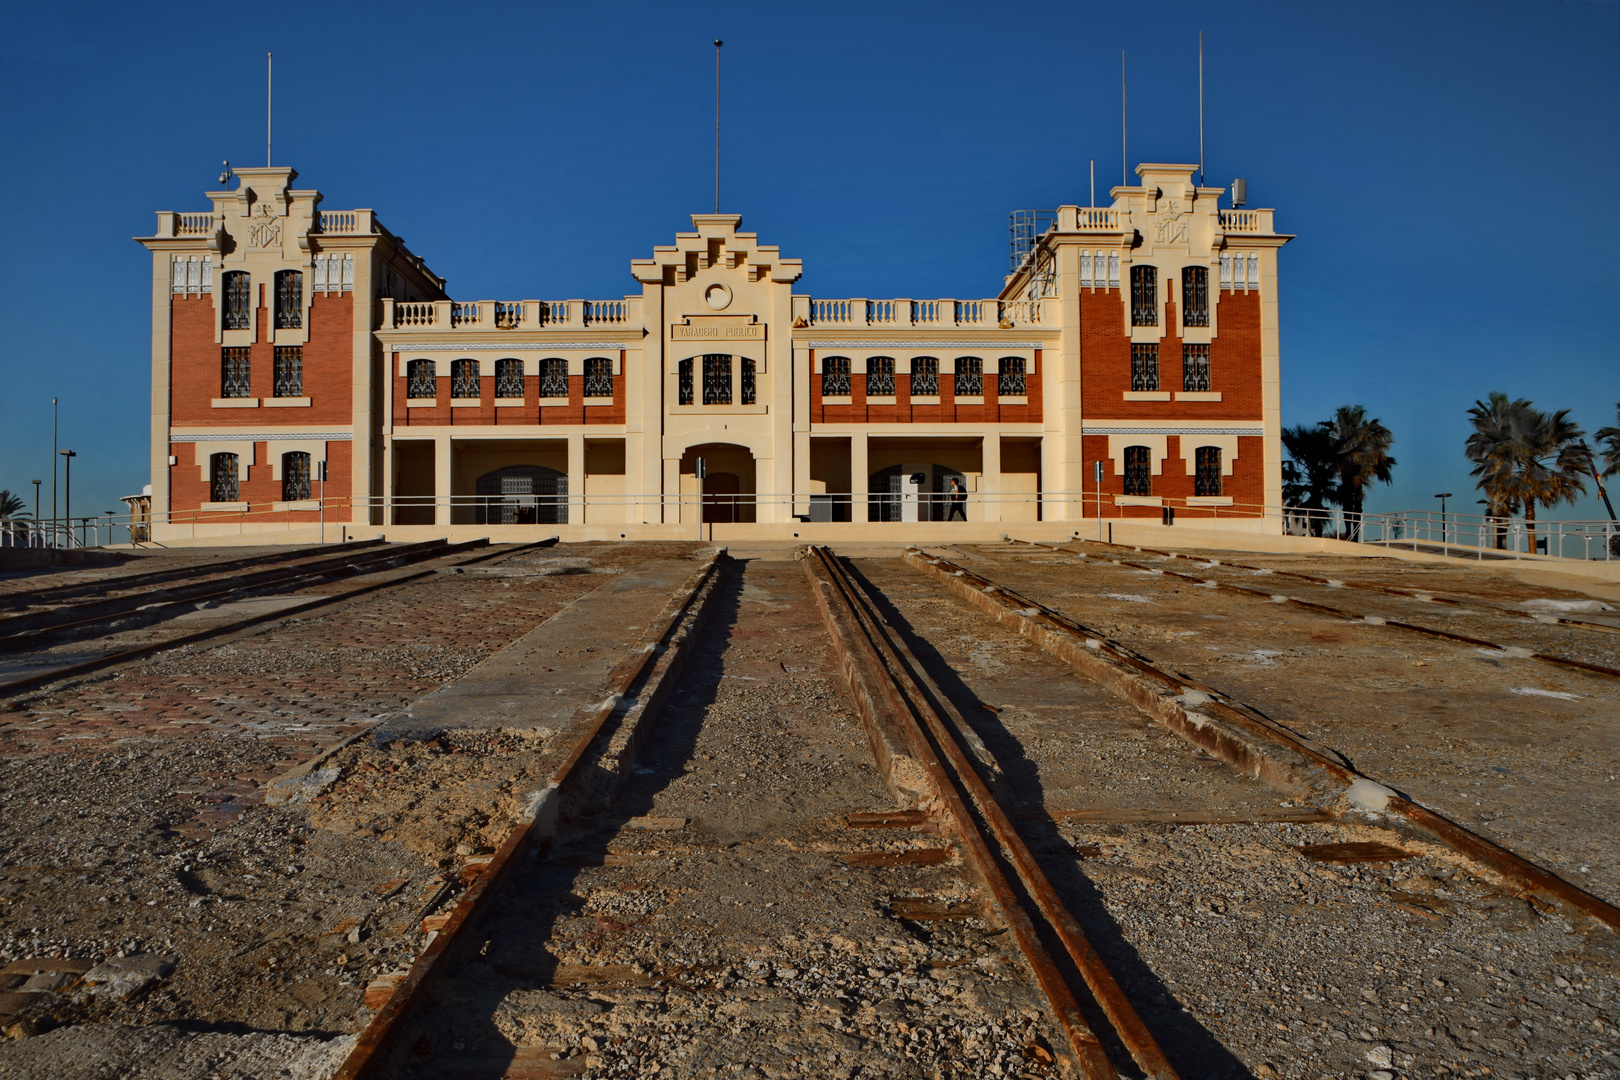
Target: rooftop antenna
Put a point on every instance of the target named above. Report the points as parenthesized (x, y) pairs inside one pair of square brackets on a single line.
[(225, 174), (717, 44), (1124, 153), (1093, 181), (269, 59), (1200, 108)]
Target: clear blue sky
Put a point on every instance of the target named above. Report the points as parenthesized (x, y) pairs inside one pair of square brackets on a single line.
[(1449, 167)]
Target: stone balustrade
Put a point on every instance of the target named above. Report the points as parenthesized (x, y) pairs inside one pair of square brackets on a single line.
[(484, 315), (861, 313)]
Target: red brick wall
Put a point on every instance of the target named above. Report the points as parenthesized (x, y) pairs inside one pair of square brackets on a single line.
[(946, 412), (535, 410), (189, 487), (1245, 487)]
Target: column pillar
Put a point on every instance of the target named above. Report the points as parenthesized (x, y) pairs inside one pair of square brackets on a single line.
[(860, 476), (441, 480), (990, 508), (576, 479)]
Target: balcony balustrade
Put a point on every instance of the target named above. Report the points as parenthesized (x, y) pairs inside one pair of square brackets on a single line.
[(860, 313), (484, 315)]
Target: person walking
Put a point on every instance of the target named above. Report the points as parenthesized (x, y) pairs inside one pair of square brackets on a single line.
[(958, 501)]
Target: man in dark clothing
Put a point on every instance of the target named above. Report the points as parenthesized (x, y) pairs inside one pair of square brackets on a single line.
[(958, 501)]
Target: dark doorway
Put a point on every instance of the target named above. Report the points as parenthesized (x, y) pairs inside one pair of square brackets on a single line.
[(721, 491)]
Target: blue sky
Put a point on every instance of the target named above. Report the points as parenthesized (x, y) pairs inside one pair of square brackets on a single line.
[(1448, 167)]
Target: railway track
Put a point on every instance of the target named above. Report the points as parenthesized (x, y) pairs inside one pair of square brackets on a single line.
[(829, 819)]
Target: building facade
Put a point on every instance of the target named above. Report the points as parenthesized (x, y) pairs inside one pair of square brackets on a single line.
[(308, 367)]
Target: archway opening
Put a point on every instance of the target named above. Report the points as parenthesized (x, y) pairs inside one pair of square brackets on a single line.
[(522, 495), (726, 490)]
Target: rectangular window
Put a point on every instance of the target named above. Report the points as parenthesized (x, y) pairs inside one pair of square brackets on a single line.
[(421, 380), (463, 378), (717, 379), (1207, 462), (747, 381), (238, 301), (835, 376), (289, 371), (1195, 295), (969, 376), (294, 476), (924, 377), (236, 378), (1144, 367), (880, 376), (1010, 377), (222, 477), (685, 378), (509, 378), (289, 299), (1144, 296), (1195, 367), (554, 378), (1138, 470), (599, 377)]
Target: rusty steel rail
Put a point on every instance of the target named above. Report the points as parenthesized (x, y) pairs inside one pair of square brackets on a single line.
[(85, 667), (1354, 616), (1242, 735), (894, 706), (648, 670)]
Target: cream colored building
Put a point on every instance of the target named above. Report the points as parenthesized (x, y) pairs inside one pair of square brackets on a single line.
[(289, 340)]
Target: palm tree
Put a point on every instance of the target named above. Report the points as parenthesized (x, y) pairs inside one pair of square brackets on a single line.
[(1609, 448), (1360, 456), (1491, 449), (10, 509), (1308, 474), (1526, 455)]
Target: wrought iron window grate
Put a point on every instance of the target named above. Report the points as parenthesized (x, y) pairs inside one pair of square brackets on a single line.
[(289, 371), (717, 378), (747, 377), (924, 377), (835, 376), (1144, 367), (969, 376), (685, 382), (509, 378), (463, 378), (599, 377), (880, 376), (1195, 295), (1195, 367), (238, 301), (553, 378), (421, 379), (295, 476), (289, 299), (1144, 296), (235, 375), (1138, 471), (1207, 463), (1010, 377), (222, 477)]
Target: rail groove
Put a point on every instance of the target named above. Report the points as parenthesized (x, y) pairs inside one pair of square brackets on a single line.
[(637, 687), (892, 702), (1242, 735)]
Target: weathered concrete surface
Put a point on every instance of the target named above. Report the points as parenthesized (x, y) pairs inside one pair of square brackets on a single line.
[(166, 1052)]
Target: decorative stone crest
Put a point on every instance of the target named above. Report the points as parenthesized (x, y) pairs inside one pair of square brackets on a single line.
[(266, 228), (1170, 224)]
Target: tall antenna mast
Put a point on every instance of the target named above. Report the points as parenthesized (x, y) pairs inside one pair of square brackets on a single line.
[(1200, 108), (717, 44), (1124, 153), (269, 59), (1093, 181)]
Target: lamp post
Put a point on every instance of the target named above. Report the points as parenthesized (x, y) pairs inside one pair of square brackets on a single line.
[(67, 490), (36, 506), (1443, 496)]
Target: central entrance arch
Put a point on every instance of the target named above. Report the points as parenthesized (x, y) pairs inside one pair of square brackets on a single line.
[(726, 491)]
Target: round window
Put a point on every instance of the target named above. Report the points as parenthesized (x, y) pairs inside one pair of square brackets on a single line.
[(717, 296)]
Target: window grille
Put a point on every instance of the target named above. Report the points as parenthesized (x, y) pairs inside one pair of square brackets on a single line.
[(686, 382), (969, 376), (289, 371), (880, 376), (1207, 462), (1010, 377), (716, 378), (747, 381), (924, 377), (235, 373), (509, 378), (1144, 296), (421, 380), (1195, 367), (1144, 367), (289, 299), (238, 301), (463, 378), (835, 376), (294, 476), (553, 378), (599, 377), (222, 477), (1138, 471), (1195, 295)]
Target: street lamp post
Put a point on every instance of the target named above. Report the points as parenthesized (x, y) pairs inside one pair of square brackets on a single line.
[(1443, 496), (67, 490), (36, 506)]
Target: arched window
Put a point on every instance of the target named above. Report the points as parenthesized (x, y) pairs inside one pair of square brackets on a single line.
[(522, 495), (717, 378), (969, 376), (599, 377), (222, 477), (1010, 377), (1207, 474), (747, 377), (463, 378), (509, 378), (1144, 296), (1138, 470), (421, 380), (1144, 367), (238, 301), (685, 378), (880, 376), (235, 373), (925, 376), (294, 476), (1195, 367), (289, 299), (554, 378), (1195, 295), (289, 371), (835, 376)]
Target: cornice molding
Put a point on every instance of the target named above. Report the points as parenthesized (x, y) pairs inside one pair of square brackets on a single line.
[(263, 436), (498, 346), (918, 343)]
